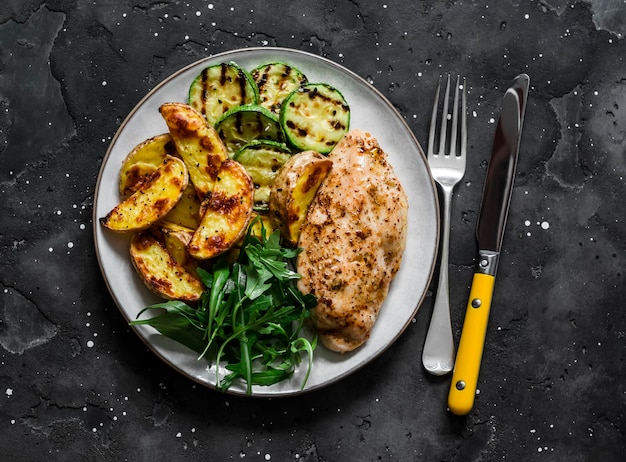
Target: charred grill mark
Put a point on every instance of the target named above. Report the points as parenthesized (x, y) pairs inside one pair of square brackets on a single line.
[(260, 126), (261, 77), (314, 93), (223, 74), (203, 94), (238, 122), (241, 78), (337, 125)]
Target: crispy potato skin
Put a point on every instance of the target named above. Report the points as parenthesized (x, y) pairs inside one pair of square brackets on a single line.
[(293, 191), (226, 212), (197, 143), (160, 272), (150, 203)]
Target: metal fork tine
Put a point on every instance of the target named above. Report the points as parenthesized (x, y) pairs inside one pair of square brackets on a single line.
[(433, 121), (455, 115), (464, 122), (444, 119)]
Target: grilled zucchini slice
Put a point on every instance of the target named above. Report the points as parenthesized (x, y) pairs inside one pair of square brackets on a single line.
[(197, 143), (247, 123), (227, 212), (275, 82), (315, 117), (221, 87), (262, 160), (159, 271), (150, 203)]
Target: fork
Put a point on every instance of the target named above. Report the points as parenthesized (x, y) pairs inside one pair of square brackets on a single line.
[(447, 169)]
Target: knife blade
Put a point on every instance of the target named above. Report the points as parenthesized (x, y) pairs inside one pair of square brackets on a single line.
[(489, 233)]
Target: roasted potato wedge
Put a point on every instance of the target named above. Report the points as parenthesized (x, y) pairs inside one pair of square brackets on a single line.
[(160, 272), (293, 190), (227, 212), (152, 201), (187, 211), (197, 143), (176, 239), (143, 160)]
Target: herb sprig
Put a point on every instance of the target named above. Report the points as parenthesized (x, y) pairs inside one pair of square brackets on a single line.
[(250, 317)]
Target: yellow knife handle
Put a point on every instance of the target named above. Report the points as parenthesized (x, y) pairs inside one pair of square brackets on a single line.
[(470, 352)]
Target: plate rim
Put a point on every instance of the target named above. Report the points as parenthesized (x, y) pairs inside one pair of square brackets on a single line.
[(401, 120)]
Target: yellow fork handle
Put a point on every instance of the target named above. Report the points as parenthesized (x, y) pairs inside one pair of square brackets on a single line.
[(470, 352)]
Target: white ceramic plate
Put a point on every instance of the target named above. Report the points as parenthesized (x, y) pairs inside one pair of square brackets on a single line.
[(370, 111)]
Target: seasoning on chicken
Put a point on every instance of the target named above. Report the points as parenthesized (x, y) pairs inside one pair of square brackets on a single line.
[(353, 238)]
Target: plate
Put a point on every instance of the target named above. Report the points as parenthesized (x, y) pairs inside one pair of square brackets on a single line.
[(370, 111)]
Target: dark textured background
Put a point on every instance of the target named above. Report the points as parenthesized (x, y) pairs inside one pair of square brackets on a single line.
[(77, 384)]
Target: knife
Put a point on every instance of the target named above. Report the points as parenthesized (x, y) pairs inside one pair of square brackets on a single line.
[(489, 231)]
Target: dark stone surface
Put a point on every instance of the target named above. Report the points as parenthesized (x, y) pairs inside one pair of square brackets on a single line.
[(77, 384)]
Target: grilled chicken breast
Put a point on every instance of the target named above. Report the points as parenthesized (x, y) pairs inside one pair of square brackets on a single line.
[(353, 239)]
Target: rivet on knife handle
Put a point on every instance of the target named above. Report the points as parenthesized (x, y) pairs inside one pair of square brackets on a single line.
[(469, 354)]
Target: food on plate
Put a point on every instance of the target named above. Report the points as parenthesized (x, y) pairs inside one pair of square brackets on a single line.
[(226, 212), (263, 159), (352, 238), (315, 117), (152, 201), (260, 227), (160, 272), (187, 211), (250, 318), (243, 124), (275, 82), (143, 160), (176, 240), (197, 143), (258, 174), (293, 190), (221, 87)]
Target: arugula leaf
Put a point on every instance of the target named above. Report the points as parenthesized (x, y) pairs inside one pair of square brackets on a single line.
[(177, 325), (250, 316)]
